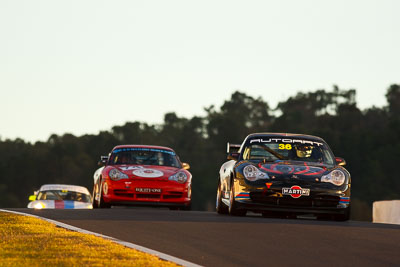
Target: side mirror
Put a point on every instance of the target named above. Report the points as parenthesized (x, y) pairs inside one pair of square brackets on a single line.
[(230, 148), (103, 161), (32, 198), (340, 161), (185, 166), (233, 156)]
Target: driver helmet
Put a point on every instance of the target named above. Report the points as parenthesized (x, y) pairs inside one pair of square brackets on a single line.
[(304, 151)]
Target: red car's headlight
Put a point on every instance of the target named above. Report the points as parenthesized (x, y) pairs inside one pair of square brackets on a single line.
[(179, 177), (117, 175)]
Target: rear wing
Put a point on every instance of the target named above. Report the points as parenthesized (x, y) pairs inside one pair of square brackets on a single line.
[(232, 148)]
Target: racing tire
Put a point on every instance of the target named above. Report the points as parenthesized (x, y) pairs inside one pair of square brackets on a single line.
[(343, 217), (101, 204), (278, 214), (94, 202), (220, 206), (188, 207), (233, 210)]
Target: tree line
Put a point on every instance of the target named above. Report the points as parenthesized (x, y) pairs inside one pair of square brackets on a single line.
[(368, 139)]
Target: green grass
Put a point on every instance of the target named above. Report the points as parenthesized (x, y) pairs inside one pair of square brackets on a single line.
[(28, 241)]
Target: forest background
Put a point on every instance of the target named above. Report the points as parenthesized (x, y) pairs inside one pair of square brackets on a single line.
[(368, 139)]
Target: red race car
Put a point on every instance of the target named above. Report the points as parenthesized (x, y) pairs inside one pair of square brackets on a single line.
[(142, 175)]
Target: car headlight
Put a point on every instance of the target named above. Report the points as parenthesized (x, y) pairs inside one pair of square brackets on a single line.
[(39, 206), (117, 175), (336, 177), (179, 177), (251, 173)]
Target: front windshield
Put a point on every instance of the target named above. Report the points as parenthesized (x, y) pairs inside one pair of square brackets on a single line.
[(288, 149), (144, 156), (63, 195)]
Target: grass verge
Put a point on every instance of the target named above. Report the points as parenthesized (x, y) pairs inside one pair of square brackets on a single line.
[(28, 241)]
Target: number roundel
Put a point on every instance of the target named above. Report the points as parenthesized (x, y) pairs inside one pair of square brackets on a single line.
[(287, 146)]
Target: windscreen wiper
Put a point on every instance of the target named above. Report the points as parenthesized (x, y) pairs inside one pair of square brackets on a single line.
[(273, 152)]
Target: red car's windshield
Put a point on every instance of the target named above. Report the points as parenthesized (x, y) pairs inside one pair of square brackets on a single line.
[(144, 156)]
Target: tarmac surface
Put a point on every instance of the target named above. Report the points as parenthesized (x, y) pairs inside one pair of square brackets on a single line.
[(209, 239)]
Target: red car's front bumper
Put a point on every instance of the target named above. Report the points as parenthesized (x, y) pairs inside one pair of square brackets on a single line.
[(139, 192)]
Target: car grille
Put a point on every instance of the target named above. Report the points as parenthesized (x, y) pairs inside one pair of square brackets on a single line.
[(123, 193), (303, 201), (170, 195), (153, 196), (130, 194)]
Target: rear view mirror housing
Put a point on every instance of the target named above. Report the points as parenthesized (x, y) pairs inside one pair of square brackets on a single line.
[(340, 161), (233, 156), (103, 161), (185, 166), (32, 197), (232, 148)]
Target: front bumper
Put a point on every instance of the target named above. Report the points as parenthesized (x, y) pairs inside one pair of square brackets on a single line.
[(122, 193), (321, 199)]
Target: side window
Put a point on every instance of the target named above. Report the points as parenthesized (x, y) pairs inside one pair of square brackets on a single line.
[(50, 196)]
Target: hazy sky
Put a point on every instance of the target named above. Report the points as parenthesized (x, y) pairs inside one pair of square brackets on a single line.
[(85, 66)]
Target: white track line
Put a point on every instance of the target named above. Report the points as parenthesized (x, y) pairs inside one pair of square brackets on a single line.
[(124, 243)]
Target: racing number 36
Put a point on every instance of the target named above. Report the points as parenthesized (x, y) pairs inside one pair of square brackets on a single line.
[(287, 146)]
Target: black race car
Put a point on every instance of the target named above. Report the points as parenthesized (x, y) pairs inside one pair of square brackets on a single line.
[(284, 174)]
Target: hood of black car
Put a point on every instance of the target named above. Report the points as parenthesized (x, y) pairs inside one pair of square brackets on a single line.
[(284, 170)]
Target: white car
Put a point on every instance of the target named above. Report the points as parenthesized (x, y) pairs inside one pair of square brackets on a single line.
[(61, 196)]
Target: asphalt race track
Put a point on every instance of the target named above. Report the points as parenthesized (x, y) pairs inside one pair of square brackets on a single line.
[(209, 239)]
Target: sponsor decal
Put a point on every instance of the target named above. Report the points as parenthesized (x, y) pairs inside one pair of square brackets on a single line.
[(143, 149), (128, 184), (131, 168), (148, 190), (105, 188), (243, 195), (295, 191), (61, 204), (344, 200), (148, 173), (286, 168), (58, 204), (285, 140), (268, 185)]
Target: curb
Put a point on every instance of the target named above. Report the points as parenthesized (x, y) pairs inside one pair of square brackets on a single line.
[(158, 254)]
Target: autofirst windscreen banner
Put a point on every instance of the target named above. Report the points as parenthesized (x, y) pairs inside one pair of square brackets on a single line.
[(143, 149), (284, 141), (387, 211)]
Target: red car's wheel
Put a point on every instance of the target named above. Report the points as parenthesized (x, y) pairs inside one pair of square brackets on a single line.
[(94, 202), (100, 203)]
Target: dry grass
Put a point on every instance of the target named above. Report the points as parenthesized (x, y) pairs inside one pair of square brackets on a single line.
[(27, 241)]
